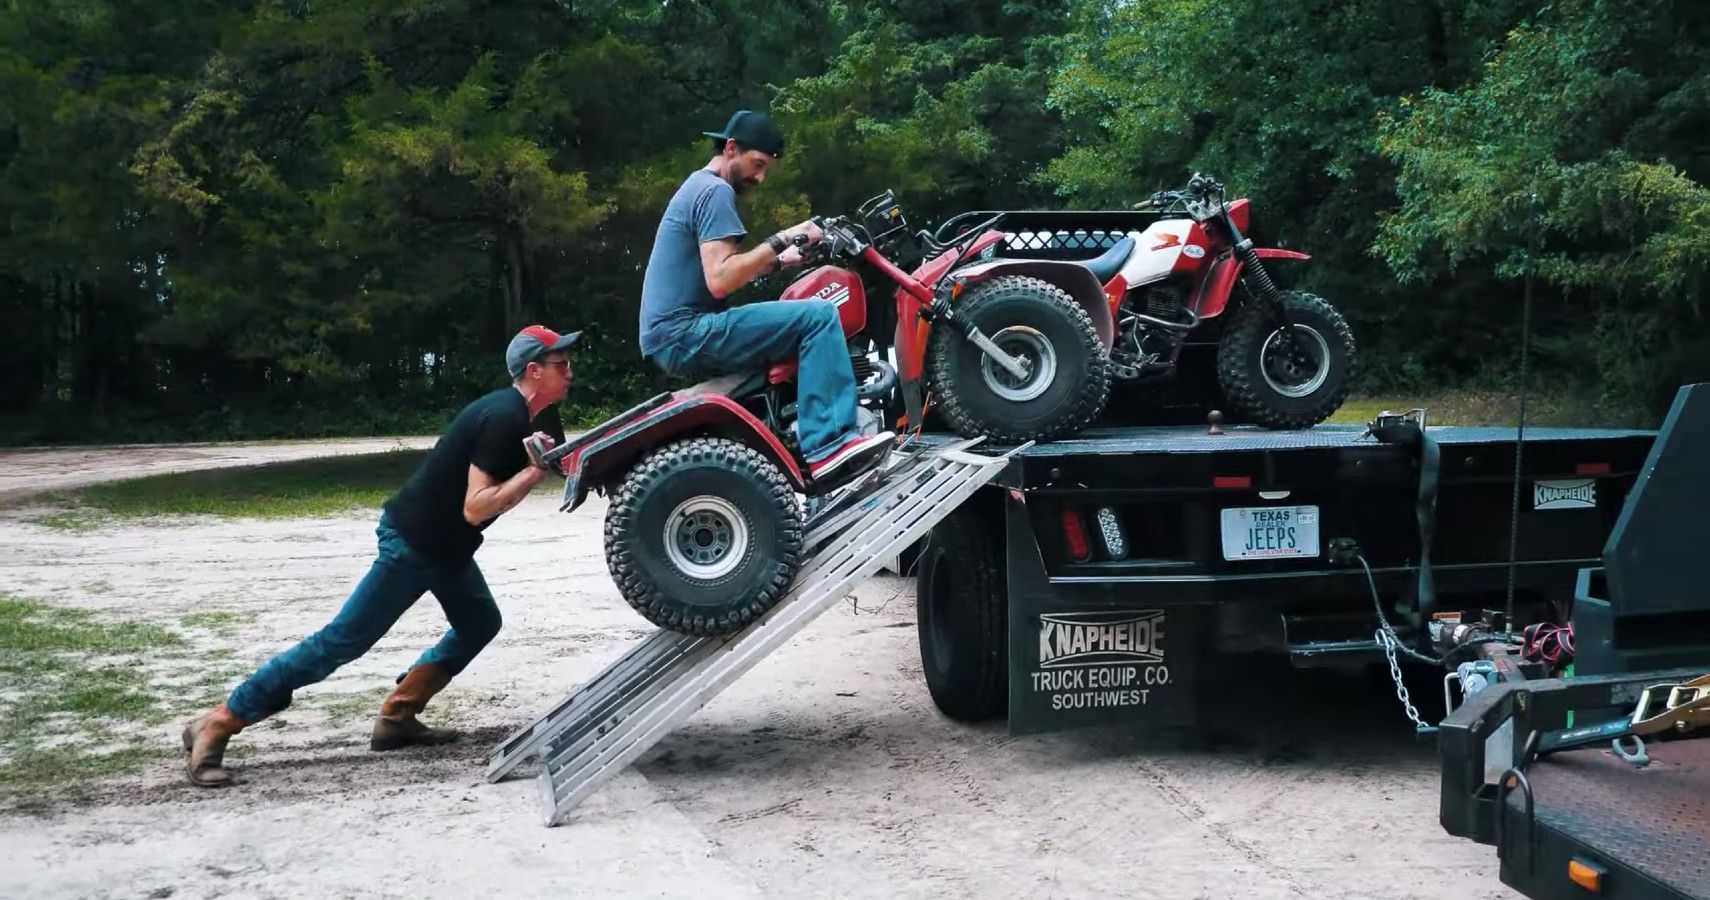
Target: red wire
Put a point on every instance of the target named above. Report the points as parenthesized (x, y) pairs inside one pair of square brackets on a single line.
[(1552, 644)]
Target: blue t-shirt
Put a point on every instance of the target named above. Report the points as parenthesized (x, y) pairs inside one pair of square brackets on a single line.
[(674, 290)]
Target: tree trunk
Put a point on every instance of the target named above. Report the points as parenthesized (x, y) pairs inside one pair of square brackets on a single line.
[(516, 305), (105, 346), (1434, 25)]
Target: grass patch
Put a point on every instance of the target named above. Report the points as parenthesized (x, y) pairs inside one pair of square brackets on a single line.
[(113, 693), (74, 522), (74, 696), (23, 779), (298, 489), (210, 621), (30, 631), (1493, 407), (357, 705)]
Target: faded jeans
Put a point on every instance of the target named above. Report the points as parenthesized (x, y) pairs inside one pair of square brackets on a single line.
[(758, 334), (393, 584)]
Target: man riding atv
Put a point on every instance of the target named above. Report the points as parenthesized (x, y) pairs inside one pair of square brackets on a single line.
[(705, 526), (686, 328)]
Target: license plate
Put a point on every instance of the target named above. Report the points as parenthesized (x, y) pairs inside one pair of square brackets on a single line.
[(1269, 532)]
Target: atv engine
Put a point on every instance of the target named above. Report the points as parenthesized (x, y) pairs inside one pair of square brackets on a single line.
[(1150, 323)]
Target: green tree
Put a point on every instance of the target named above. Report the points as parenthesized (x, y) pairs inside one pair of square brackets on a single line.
[(79, 248), (1588, 122)]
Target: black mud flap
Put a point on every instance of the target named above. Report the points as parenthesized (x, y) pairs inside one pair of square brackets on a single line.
[(1081, 655)]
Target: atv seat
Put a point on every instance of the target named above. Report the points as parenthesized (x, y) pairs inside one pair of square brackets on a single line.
[(1108, 263), (732, 385)]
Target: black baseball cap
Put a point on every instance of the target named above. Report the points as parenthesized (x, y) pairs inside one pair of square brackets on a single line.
[(753, 130)]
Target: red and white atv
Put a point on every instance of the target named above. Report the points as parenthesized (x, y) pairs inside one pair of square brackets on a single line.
[(1280, 359), (705, 526)]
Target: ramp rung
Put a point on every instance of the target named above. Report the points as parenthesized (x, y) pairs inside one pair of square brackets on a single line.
[(574, 769), (613, 719), (593, 703)]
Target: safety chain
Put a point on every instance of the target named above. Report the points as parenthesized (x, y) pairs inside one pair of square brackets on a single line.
[(1388, 640)]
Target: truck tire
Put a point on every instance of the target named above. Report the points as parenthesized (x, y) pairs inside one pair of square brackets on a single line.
[(703, 536), (1275, 393), (1034, 319), (962, 614)]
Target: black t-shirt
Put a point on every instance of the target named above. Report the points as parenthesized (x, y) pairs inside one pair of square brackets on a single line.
[(428, 509)]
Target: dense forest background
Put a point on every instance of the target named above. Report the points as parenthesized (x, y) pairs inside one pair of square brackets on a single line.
[(312, 217)]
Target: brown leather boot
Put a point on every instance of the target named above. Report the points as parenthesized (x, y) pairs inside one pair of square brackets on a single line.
[(205, 746), (397, 726)]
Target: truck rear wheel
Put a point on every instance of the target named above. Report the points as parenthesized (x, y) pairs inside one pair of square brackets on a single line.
[(1069, 377), (962, 614), (703, 536)]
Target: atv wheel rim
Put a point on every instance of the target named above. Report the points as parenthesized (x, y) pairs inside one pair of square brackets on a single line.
[(1037, 356), (1297, 371), (706, 537)]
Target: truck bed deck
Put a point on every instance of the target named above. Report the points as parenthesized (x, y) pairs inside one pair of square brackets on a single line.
[(1240, 438), (1650, 824)]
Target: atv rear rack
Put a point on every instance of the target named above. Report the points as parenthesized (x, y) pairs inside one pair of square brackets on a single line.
[(610, 721)]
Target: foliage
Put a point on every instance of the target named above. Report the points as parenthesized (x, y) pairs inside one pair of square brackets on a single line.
[(271, 217), (1398, 142), (1583, 136)]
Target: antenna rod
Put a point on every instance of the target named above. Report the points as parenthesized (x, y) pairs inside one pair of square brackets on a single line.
[(1520, 429)]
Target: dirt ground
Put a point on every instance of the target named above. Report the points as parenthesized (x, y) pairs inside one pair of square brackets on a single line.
[(825, 771)]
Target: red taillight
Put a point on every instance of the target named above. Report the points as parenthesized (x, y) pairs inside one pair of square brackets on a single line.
[(1231, 481), (1075, 533), (1591, 469)]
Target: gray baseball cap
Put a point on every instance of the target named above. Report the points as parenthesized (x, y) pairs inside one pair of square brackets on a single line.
[(532, 343)]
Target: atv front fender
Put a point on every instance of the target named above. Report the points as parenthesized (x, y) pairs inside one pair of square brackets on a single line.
[(1211, 297), (1074, 279), (603, 454)]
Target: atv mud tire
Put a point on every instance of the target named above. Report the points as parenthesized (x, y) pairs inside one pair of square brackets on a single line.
[(961, 608), (703, 536), (1264, 388), (1039, 321)]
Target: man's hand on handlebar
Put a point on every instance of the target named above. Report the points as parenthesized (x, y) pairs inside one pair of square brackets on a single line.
[(790, 258), (809, 229)]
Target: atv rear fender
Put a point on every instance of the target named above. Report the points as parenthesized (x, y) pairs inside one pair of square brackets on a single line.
[(602, 455), (1074, 279)]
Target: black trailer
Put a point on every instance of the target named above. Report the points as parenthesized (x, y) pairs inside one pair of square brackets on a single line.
[(1528, 763), (1099, 577), (1583, 822)]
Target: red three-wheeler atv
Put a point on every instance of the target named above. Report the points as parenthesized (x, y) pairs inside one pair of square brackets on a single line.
[(707, 486)]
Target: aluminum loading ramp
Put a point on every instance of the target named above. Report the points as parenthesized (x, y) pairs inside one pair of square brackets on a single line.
[(613, 719)]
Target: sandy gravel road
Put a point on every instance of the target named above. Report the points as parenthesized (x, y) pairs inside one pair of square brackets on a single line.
[(824, 772)]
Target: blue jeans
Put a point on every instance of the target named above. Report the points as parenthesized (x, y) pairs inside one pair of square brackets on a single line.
[(396, 581), (748, 337)]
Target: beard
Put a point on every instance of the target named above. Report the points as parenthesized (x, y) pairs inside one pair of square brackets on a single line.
[(739, 178)]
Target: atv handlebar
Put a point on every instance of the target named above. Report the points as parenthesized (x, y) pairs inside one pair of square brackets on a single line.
[(851, 236), (1202, 196)]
